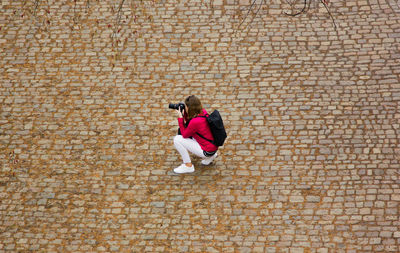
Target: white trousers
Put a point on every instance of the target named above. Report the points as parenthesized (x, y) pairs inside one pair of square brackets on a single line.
[(186, 145)]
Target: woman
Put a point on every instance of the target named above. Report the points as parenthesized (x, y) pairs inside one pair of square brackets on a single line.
[(195, 135)]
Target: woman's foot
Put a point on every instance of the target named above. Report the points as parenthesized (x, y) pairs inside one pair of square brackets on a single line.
[(208, 160), (184, 169)]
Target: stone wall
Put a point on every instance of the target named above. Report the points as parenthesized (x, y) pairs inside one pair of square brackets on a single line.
[(311, 163)]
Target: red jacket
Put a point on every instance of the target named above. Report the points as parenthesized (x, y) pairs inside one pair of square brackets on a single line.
[(198, 125)]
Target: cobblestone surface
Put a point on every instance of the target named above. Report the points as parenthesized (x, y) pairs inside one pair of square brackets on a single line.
[(312, 159)]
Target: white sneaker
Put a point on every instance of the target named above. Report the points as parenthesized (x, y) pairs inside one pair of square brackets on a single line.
[(184, 169), (208, 160)]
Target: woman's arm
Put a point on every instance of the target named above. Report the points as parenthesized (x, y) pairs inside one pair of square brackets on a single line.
[(186, 132)]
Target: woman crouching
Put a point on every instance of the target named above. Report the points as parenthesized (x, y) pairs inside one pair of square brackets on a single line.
[(195, 135)]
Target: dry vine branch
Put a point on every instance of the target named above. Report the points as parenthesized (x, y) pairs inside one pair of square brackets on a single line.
[(300, 12), (118, 19), (119, 12), (35, 7), (116, 30), (250, 8), (75, 17), (324, 2), (304, 10), (41, 20)]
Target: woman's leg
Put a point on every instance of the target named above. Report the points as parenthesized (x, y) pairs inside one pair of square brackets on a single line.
[(186, 145)]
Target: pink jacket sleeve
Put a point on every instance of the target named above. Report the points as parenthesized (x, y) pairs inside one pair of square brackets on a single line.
[(186, 132)]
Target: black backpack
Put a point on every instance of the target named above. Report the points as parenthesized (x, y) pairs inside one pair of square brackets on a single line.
[(217, 128)]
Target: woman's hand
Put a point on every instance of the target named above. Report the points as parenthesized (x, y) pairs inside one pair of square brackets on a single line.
[(179, 113)]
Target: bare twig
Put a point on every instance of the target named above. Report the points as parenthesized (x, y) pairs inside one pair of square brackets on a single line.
[(75, 18), (300, 12), (309, 5), (117, 30), (327, 9), (118, 19), (119, 12), (35, 7), (258, 10), (305, 9), (23, 4), (248, 12)]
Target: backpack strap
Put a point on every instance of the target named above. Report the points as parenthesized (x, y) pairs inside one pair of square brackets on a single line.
[(205, 138), (212, 142)]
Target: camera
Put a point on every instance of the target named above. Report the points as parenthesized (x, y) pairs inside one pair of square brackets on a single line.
[(180, 106)]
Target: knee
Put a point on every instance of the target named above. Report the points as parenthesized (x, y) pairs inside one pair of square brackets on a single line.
[(178, 139)]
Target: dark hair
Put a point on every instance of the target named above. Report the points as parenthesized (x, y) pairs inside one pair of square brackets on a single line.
[(194, 106)]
